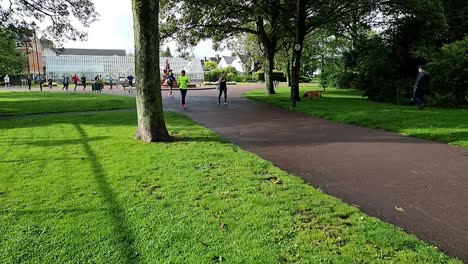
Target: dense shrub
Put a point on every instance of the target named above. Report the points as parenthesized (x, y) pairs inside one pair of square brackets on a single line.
[(213, 76), (277, 76), (375, 71), (305, 79), (259, 76), (230, 69), (442, 100), (345, 80), (404, 91), (449, 68), (210, 65), (330, 73)]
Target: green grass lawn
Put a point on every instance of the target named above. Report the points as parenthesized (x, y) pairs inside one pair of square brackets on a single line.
[(18, 103), (80, 189), (348, 106)]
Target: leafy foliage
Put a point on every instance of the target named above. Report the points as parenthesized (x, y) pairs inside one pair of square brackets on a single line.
[(456, 12), (56, 14), (450, 74), (247, 47), (12, 62), (277, 76), (210, 65), (167, 53)]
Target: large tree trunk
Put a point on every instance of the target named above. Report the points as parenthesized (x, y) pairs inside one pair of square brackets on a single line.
[(151, 125), (297, 51), (269, 65), (269, 45)]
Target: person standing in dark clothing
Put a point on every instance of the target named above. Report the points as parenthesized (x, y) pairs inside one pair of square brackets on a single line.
[(421, 88), (29, 79), (222, 88), (83, 82)]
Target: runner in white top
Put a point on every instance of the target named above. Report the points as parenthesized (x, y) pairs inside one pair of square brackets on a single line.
[(7, 81)]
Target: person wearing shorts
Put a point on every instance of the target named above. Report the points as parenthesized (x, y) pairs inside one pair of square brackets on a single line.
[(170, 81)]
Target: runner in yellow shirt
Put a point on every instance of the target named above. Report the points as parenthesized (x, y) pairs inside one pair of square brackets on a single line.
[(183, 81)]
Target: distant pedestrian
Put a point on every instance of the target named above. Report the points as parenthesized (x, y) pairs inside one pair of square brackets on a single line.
[(111, 83), (170, 81), (7, 81), (183, 81), (130, 83), (83, 82), (101, 83), (29, 80), (50, 83), (42, 82), (222, 88), (65, 82), (422, 87), (75, 81)]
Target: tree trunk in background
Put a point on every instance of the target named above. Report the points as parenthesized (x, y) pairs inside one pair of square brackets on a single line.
[(297, 51), (151, 125), (269, 65)]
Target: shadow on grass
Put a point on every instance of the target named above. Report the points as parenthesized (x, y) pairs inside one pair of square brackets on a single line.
[(198, 139), (52, 142), (126, 240), (18, 103), (54, 211), (38, 160)]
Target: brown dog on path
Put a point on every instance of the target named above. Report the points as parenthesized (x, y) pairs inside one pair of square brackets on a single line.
[(312, 94)]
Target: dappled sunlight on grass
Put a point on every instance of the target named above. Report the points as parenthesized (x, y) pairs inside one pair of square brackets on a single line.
[(80, 188), (18, 103)]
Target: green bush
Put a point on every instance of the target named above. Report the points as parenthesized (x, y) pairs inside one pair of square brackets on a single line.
[(230, 69), (449, 68), (442, 100), (329, 76), (240, 78), (210, 65), (213, 76), (277, 76), (404, 91), (345, 80), (305, 79), (259, 76)]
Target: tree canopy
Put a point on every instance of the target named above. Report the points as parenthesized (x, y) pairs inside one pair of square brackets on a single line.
[(210, 65), (167, 52), (12, 62), (54, 16)]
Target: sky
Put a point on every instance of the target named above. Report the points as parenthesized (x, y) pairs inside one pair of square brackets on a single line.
[(114, 30)]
